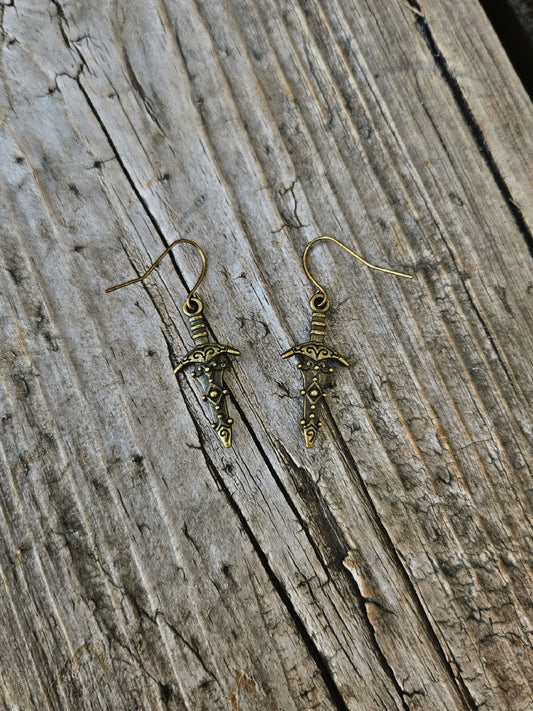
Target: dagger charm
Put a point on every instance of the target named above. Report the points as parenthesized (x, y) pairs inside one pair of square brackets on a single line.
[(209, 364), (315, 363), (315, 357), (209, 359)]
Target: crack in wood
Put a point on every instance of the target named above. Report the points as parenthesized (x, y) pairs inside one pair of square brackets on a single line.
[(456, 679), (316, 508), (320, 661), (471, 121)]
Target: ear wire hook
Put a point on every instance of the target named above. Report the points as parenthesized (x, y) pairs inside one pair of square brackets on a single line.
[(321, 289), (188, 303)]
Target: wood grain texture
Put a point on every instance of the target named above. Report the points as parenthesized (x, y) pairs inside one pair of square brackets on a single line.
[(143, 565)]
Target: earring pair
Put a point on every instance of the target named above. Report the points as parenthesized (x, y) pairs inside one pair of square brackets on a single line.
[(209, 358)]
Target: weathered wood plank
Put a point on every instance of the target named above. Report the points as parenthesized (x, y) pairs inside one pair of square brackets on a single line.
[(496, 106), (143, 565)]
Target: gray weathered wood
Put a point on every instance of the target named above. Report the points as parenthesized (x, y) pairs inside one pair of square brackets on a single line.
[(143, 565)]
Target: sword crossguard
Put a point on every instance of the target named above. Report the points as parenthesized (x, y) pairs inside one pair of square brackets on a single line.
[(205, 353), (315, 351)]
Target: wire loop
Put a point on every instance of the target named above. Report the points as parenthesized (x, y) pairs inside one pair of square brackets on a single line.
[(191, 302), (321, 290)]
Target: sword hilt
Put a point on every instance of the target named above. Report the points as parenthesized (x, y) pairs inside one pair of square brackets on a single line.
[(319, 305), (193, 309), (318, 327)]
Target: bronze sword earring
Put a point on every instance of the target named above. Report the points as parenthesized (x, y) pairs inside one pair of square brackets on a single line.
[(205, 356), (315, 357)]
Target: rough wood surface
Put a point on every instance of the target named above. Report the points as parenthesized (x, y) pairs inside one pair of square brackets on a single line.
[(145, 567)]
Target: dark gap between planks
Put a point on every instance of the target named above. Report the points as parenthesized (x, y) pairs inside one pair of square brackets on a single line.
[(512, 21)]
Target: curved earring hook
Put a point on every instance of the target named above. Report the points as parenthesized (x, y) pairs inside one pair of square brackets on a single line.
[(321, 289), (158, 260)]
